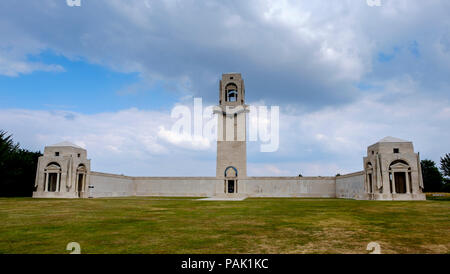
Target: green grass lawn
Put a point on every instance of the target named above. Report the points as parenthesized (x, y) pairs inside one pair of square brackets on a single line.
[(186, 225)]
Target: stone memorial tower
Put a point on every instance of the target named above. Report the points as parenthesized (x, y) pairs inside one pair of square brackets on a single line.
[(231, 132)]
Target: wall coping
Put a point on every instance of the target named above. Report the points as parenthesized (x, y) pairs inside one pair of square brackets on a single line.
[(350, 175), (141, 178), (95, 173), (290, 178), (175, 178)]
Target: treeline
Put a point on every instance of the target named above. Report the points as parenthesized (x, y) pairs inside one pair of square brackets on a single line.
[(433, 179), (17, 168)]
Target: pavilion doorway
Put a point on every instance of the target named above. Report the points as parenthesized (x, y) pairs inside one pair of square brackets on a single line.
[(400, 182)]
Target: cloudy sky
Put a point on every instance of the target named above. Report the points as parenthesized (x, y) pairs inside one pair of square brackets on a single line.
[(107, 74)]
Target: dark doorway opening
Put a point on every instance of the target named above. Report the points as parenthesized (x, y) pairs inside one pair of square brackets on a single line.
[(52, 182), (230, 186), (80, 184), (400, 182)]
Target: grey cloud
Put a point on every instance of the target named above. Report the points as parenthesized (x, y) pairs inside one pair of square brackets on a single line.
[(310, 53), (323, 142), (286, 50), (307, 56)]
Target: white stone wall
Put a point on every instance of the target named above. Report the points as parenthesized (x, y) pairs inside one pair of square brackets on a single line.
[(351, 186), (318, 187), (110, 185), (178, 186), (346, 186)]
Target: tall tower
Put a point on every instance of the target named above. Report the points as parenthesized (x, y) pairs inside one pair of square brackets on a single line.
[(231, 132)]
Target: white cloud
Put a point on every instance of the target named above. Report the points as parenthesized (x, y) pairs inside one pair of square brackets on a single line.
[(184, 140), (14, 68), (295, 42), (325, 142), (313, 50), (307, 56)]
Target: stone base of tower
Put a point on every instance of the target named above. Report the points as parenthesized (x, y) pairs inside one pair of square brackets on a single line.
[(231, 154)]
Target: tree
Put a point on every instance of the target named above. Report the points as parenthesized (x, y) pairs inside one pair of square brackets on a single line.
[(432, 178), (445, 165), (17, 168), (6, 148)]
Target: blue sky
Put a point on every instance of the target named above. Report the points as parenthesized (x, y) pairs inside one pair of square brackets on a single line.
[(77, 80), (107, 74)]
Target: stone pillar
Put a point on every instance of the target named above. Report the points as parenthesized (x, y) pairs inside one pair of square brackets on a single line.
[(412, 182), (366, 182), (408, 189), (58, 181), (77, 182), (393, 183), (386, 182), (84, 183), (46, 182)]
